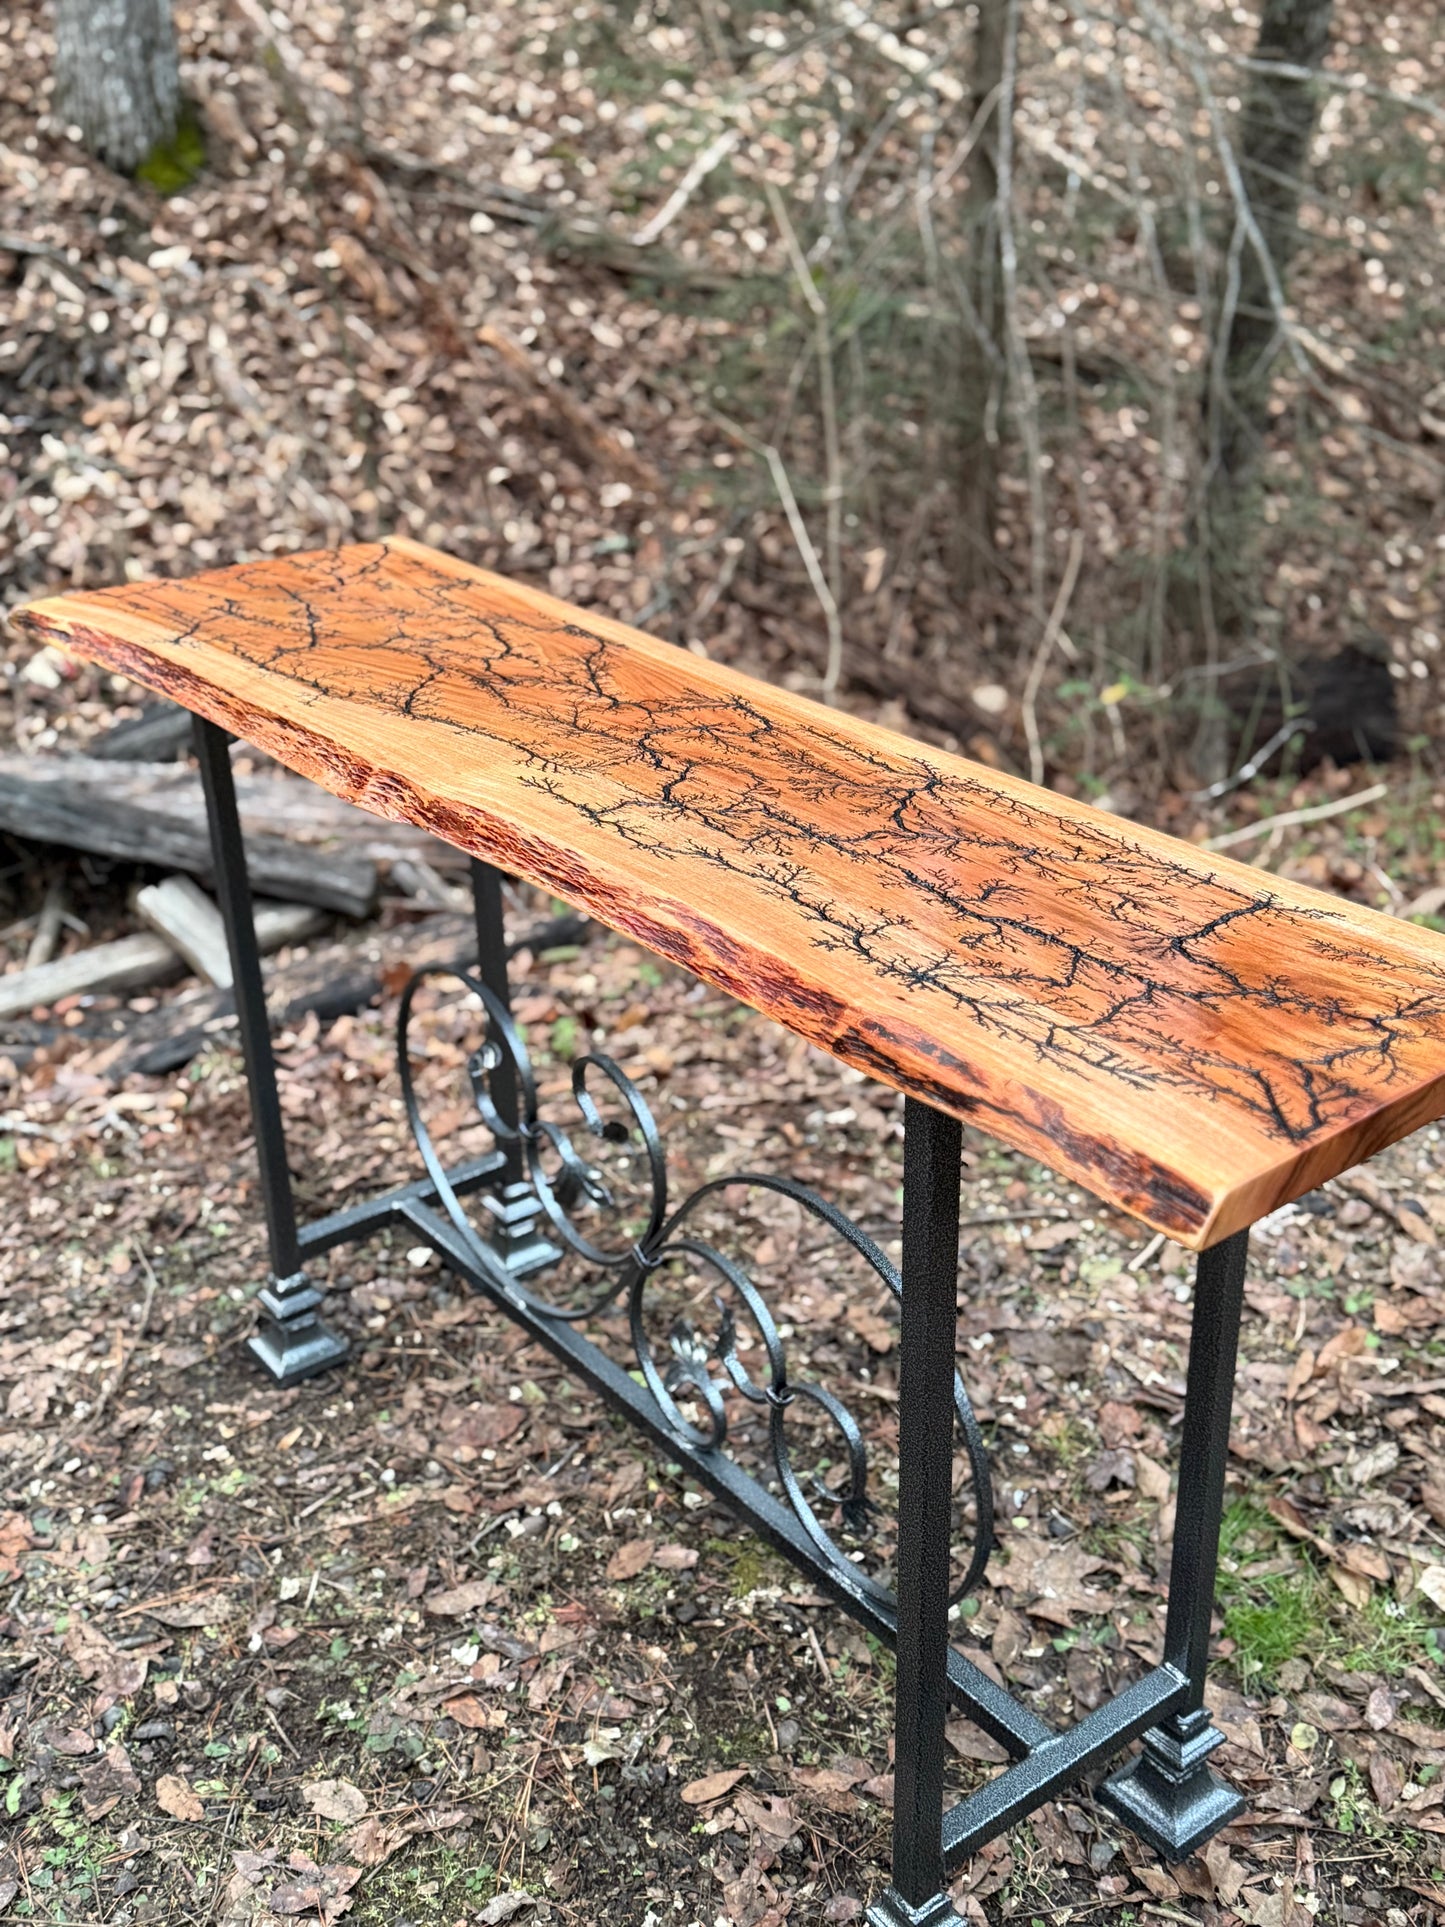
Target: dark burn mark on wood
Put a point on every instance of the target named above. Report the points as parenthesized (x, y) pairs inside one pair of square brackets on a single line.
[(1142, 1186), (1042, 972)]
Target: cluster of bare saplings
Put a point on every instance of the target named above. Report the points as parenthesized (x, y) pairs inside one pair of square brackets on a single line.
[(1070, 305)]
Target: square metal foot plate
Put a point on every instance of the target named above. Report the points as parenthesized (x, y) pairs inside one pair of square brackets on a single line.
[(1174, 1818), (891, 1910), (289, 1358)]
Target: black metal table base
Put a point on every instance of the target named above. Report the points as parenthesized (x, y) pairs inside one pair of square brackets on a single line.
[(1167, 1794), (530, 1190)]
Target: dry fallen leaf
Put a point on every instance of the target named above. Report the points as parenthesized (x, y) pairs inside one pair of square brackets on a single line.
[(371, 1842), (1368, 1561), (1046, 1577), (504, 1907), (1051, 1237), (631, 1558), (1226, 1872), (334, 1800), (116, 1676), (1387, 1780), (1349, 1342), (675, 1558), (212, 1610), (75, 1742), (1355, 1587), (325, 1892), (467, 1710), (1380, 1708), (110, 1780), (16, 1538), (175, 1797), (1010, 1636), (713, 1786), (456, 1601), (1151, 1477), (970, 1742), (878, 1333), (775, 1817), (1301, 1372)]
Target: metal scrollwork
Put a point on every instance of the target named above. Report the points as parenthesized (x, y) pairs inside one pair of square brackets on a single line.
[(699, 1368)]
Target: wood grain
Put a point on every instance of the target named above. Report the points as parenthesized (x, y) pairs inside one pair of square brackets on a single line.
[(1193, 1041)]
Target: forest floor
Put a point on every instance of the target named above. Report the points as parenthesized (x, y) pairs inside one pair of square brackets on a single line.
[(432, 1640)]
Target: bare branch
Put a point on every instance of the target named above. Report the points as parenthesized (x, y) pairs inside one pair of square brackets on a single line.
[(703, 164), (1053, 629)]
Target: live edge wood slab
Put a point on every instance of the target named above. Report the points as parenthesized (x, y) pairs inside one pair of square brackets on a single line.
[(1192, 1040)]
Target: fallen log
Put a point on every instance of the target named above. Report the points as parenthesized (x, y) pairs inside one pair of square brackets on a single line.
[(178, 909), (130, 963), (181, 912), (424, 884), (332, 982), (80, 803), (272, 802), (161, 731), (46, 941)]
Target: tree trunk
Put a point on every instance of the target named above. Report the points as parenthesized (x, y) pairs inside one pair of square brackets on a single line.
[(116, 77), (1275, 127), (981, 369), (1271, 153)]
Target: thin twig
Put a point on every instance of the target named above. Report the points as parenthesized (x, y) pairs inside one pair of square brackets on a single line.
[(1298, 726), (818, 1654), (913, 59), (831, 617), (833, 454), (796, 523), (1244, 208), (128, 1352), (1163, 517), (1281, 69), (1316, 813), (1052, 630), (703, 164), (285, 1736), (1142, 1256), (51, 922)]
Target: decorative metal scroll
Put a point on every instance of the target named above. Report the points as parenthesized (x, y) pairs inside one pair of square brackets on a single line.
[(700, 1366)]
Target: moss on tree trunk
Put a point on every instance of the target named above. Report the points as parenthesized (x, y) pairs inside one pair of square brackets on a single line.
[(116, 77)]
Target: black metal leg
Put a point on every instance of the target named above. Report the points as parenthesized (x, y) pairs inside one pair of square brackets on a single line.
[(292, 1342), (492, 969), (512, 1203), (1168, 1795), (931, 1162)]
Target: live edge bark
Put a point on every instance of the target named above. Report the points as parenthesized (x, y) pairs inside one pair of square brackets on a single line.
[(116, 76)]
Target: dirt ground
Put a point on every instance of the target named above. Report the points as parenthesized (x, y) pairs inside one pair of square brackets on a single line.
[(432, 1639)]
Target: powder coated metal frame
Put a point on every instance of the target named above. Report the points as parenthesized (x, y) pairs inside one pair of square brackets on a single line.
[(535, 1184)]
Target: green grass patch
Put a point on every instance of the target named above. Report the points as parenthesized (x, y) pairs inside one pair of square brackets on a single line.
[(1274, 1628), (1274, 1617)]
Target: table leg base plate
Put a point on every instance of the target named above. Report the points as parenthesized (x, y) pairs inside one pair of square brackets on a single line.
[(290, 1356), (891, 1910), (1174, 1816)]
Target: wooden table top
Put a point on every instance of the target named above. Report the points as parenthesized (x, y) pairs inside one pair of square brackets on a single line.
[(1194, 1041)]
